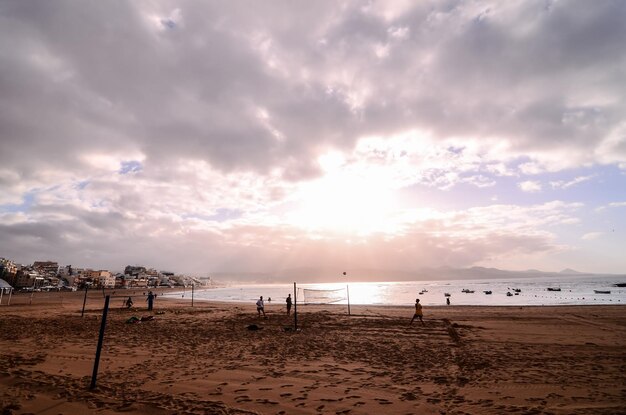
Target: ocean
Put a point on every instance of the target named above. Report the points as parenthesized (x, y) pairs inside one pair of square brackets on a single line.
[(574, 290)]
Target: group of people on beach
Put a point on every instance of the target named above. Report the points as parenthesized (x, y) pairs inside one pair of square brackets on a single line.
[(260, 308), (260, 305), (150, 299)]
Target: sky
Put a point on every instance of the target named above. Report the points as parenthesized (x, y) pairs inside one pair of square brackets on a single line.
[(202, 137)]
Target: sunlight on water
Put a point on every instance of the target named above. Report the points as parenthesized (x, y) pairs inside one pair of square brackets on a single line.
[(531, 291)]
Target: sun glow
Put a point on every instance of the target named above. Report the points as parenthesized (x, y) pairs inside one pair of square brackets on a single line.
[(345, 202)]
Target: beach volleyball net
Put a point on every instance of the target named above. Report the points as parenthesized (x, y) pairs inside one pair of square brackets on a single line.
[(317, 296)]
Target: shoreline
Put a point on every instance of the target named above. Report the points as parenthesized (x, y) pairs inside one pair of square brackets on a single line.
[(204, 359)]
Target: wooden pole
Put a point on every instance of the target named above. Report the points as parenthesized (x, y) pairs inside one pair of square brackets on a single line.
[(94, 375), (84, 302), (10, 293), (295, 308), (348, 292), (192, 285)]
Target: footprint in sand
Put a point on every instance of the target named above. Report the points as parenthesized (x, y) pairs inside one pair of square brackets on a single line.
[(408, 396), (244, 398), (300, 398), (266, 401)]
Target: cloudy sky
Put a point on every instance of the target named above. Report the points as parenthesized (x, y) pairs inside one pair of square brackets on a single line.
[(242, 136)]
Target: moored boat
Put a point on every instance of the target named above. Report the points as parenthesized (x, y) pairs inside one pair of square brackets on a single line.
[(602, 291)]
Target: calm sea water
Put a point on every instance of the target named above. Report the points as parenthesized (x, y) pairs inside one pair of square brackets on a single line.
[(532, 291)]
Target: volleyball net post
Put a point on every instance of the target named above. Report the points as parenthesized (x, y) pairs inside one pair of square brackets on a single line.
[(295, 307)]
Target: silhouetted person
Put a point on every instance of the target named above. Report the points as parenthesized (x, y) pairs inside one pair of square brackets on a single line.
[(150, 300), (129, 302), (289, 304), (418, 312), (447, 300), (260, 307)]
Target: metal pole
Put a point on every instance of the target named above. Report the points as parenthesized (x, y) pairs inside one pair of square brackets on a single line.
[(1, 292), (348, 292), (84, 302), (192, 294), (295, 308), (94, 375), (10, 293)]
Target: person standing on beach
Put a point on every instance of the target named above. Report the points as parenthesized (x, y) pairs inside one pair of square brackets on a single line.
[(418, 312), (447, 300), (150, 300), (288, 304), (260, 307), (129, 302)]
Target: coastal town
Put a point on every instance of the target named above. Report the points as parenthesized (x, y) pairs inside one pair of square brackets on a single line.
[(50, 276)]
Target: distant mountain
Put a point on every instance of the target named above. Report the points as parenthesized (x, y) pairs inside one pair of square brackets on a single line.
[(569, 271)]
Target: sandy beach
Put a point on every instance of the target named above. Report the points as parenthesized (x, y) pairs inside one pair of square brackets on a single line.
[(204, 359)]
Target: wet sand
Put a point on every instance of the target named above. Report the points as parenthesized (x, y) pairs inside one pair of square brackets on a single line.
[(204, 359)]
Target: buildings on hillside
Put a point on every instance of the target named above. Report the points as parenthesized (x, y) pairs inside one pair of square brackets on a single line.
[(47, 275)]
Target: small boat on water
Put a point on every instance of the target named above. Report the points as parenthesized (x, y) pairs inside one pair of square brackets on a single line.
[(517, 290), (467, 291), (620, 284), (508, 294), (488, 292), (602, 291), (553, 289), (446, 294)]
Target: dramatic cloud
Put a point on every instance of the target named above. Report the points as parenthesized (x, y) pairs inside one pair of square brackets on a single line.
[(204, 136)]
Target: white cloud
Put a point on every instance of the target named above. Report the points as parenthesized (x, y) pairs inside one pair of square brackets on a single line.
[(561, 184), (590, 236), (530, 186)]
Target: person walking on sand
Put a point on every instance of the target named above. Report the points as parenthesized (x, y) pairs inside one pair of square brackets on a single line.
[(260, 307), (288, 304), (129, 302), (447, 300), (150, 300), (418, 312)]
